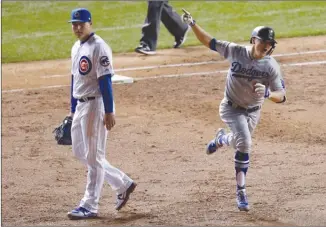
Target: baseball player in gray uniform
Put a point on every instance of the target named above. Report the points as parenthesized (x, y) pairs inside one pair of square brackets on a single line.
[(93, 112), (253, 76)]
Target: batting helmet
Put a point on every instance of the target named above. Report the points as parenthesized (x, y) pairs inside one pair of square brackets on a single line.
[(266, 34)]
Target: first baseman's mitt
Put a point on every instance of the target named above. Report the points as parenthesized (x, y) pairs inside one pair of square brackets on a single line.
[(63, 132)]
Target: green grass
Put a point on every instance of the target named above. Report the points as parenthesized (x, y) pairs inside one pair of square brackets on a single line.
[(38, 30)]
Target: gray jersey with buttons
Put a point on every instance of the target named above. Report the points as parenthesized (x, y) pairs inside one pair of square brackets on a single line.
[(245, 71), (242, 74)]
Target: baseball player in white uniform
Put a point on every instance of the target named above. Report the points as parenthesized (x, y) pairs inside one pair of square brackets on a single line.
[(253, 76), (93, 112)]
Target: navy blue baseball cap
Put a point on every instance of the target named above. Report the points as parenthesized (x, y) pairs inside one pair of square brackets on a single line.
[(80, 15)]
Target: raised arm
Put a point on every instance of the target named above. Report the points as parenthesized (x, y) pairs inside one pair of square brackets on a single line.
[(200, 33)]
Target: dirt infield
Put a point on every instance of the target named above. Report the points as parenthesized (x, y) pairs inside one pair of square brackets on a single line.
[(163, 125)]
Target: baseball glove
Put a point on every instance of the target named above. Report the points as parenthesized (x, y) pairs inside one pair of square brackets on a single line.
[(63, 132)]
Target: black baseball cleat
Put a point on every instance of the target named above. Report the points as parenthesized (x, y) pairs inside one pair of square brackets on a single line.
[(123, 198), (143, 48), (180, 40)]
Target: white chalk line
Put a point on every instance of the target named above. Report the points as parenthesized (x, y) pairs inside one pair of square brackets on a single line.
[(150, 67), (30, 89), (305, 63), (209, 73), (222, 71), (181, 75), (300, 53), (192, 64)]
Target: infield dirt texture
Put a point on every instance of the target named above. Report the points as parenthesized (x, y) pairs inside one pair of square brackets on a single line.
[(163, 125), (164, 120)]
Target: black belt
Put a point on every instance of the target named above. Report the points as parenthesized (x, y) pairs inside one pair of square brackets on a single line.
[(86, 99), (250, 110)]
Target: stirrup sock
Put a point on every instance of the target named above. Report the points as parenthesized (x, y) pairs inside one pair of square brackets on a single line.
[(241, 163)]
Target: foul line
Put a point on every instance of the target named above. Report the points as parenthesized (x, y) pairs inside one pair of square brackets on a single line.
[(221, 71), (30, 89), (193, 64), (181, 75), (153, 67), (169, 76), (305, 63)]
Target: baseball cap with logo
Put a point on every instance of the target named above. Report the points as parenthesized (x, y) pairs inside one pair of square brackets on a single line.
[(80, 15)]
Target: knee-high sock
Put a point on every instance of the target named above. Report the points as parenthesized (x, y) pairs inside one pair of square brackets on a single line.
[(241, 162)]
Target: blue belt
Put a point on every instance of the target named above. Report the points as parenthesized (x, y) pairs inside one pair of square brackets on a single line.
[(249, 110)]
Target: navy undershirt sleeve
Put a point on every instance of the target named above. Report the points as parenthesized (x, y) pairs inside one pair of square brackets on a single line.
[(73, 101), (212, 44), (105, 84)]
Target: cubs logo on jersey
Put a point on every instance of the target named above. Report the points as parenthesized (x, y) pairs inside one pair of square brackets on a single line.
[(104, 61), (85, 65)]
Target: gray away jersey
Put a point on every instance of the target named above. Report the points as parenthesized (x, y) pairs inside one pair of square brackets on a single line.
[(244, 72)]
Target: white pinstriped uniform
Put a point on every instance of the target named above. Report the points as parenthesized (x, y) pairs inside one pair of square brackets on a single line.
[(90, 61)]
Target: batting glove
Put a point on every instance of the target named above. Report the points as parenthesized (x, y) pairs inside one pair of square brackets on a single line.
[(187, 18), (260, 89)]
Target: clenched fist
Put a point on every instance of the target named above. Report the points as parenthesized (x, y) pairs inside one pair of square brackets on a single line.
[(260, 89), (187, 18)]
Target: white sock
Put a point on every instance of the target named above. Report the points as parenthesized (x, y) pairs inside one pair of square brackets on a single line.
[(241, 179)]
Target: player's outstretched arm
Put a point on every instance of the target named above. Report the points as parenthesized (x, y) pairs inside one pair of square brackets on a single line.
[(201, 35)]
